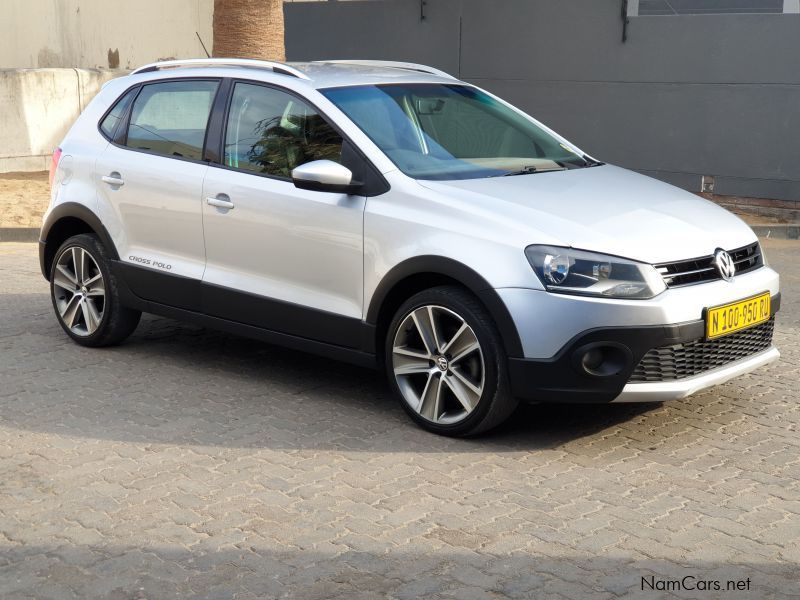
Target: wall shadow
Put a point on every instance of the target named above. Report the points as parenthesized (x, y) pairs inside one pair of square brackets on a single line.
[(245, 570)]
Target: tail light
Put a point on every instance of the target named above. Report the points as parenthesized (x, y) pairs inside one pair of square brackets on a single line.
[(54, 164)]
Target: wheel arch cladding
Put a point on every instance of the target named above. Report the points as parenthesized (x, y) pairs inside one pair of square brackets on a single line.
[(423, 272), (65, 221)]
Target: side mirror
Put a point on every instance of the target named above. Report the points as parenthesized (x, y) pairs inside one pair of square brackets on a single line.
[(325, 176)]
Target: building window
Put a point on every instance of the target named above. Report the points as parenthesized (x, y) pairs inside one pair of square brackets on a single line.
[(706, 7)]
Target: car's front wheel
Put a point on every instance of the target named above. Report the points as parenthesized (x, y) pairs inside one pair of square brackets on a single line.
[(445, 360), (85, 294)]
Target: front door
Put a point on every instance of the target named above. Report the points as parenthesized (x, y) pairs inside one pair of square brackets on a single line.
[(279, 257)]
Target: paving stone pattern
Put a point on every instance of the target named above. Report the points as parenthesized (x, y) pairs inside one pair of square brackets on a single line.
[(190, 463)]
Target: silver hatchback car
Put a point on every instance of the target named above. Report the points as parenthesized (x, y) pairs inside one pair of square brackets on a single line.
[(392, 216)]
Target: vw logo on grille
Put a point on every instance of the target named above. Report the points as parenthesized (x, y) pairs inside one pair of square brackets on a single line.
[(724, 264)]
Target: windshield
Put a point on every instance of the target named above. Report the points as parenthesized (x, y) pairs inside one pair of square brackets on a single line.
[(438, 131)]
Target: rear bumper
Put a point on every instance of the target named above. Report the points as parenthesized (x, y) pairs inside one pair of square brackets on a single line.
[(564, 379)]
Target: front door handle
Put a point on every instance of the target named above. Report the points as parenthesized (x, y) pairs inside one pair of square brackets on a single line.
[(114, 179), (220, 201)]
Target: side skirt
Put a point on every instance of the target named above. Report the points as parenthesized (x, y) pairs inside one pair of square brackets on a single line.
[(348, 355), (164, 296)]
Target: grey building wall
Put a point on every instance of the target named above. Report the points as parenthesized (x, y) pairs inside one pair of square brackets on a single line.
[(685, 96)]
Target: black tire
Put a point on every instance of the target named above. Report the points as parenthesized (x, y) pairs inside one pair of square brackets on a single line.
[(496, 402), (117, 321)]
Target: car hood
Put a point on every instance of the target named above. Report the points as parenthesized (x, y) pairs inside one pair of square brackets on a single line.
[(605, 209)]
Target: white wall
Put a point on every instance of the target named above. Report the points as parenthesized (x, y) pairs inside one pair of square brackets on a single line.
[(55, 55), (89, 33), (37, 107)]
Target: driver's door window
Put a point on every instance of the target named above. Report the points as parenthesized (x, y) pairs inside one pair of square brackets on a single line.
[(271, 132)]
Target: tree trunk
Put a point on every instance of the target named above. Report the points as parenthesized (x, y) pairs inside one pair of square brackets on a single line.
[(249, 29)]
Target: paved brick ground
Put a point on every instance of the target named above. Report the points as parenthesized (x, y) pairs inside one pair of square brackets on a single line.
[(191, 463)]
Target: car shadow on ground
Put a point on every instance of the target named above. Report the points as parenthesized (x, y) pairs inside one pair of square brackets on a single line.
[(177, 383)]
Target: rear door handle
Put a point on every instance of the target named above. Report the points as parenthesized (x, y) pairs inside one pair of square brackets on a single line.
[(220, 201), (113, 179)]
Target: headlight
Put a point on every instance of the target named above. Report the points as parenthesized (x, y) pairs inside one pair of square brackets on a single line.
[(569, 271)]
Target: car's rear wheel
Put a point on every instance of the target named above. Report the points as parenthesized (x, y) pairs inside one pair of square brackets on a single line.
[(446, 361), (85, 294)]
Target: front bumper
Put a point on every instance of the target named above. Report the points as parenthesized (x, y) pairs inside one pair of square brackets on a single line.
[(680, 388), (544, 320), (563, 378)]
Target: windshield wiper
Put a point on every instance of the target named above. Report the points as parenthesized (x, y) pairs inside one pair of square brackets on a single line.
[(530, 169), (570, 165)]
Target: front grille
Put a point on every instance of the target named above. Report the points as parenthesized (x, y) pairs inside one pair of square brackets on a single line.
[(699, 270), (691, 358)]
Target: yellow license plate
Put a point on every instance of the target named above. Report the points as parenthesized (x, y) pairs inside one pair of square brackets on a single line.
[(729, 318)]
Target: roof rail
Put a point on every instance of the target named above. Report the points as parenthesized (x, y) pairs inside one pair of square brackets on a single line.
[(277, 67), (392, 64)]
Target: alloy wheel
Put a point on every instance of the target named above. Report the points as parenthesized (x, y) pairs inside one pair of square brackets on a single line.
[(79, 291), (438, 364)]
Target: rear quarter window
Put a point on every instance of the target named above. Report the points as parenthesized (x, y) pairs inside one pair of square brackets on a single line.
[(108, 125)]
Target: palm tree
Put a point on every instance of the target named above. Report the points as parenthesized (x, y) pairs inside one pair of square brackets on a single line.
[(249, 29)]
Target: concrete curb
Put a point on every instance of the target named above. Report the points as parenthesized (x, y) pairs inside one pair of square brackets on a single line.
[(19, 234)]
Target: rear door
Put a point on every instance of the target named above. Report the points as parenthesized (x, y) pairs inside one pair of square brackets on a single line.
[(151, 178)]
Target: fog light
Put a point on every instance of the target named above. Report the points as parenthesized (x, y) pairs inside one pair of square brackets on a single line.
[(592, 359), (602, 359)]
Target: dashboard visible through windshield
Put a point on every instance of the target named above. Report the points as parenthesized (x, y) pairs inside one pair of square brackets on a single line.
[(442, 131)]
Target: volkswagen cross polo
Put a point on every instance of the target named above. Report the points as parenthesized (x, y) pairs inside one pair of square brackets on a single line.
[(392, 216)]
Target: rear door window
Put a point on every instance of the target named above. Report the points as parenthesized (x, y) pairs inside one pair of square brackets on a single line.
[(170, 118)]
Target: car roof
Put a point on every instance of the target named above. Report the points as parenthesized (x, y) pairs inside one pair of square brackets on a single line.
[(316, 74), (335, 74)]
